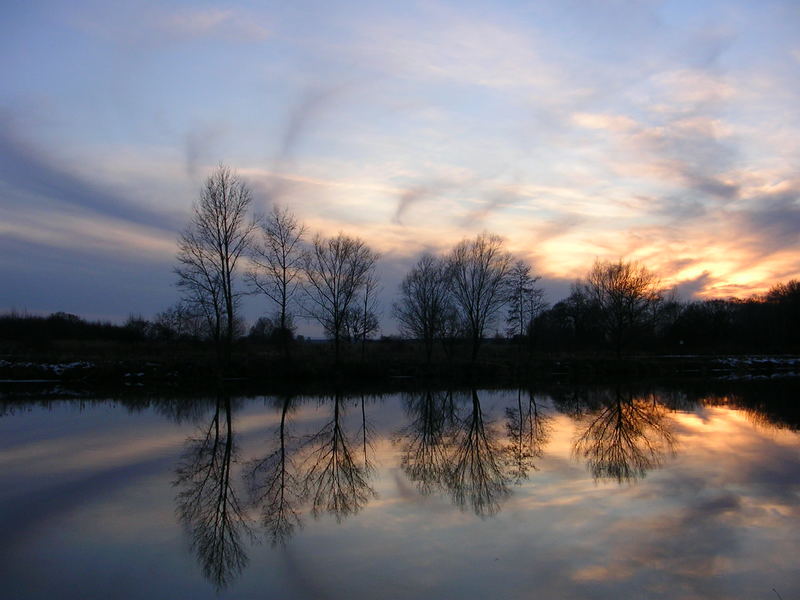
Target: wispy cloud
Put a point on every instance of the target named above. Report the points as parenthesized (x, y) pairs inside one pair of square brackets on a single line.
[(199, 22), (27, 170)]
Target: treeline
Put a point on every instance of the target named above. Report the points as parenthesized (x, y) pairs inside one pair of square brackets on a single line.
[(659, 323), (448, 304), (34, 329)]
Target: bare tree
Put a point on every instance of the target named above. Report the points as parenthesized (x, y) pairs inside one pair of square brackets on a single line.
[(424, 298), (336, 271), (365, 315), (181, 320), (525, 299), (478, 271), (200, 285), (209, 251), (278, 259), (625, 294)]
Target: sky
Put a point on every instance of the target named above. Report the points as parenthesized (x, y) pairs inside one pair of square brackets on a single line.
[(662, 132)]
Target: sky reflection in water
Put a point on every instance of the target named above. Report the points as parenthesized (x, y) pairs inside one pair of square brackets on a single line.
[(566, 492)]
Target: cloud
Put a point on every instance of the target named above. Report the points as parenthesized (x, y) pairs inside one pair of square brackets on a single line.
[(495, 201), (225, 23), (445, 44), (31, 173), (311, 102), (156, 24), (408, 197), (690, 288), (199, 142), (772, 224)]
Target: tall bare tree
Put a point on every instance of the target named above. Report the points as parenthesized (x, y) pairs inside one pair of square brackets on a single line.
[(209, 250), (424, 300), (336, 270), (626, 294), (478, 273), (277, 257), (525, 299), (363, 318)]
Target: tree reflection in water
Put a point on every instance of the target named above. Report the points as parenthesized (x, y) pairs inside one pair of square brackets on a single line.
[(477, 476), (274, 485), (528, 431), (448, 447), (460, 455), (625, 437), (335, 481), (208, 504), (426, 440)]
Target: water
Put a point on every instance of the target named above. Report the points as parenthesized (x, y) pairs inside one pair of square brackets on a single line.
[(669, 491)]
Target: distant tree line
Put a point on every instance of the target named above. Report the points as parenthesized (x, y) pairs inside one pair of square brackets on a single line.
[(592, 318), (22, 327)]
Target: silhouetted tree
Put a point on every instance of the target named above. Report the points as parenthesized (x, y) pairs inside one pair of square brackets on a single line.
[(336, 271), (478, 273), (424, 302), (361, 321), (525, 299), (705, 324), (625, 294), (784, 300), (181, 320), (277, 257), (209, 250)]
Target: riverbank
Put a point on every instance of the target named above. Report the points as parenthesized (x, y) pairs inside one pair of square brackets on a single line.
[(194, 367)]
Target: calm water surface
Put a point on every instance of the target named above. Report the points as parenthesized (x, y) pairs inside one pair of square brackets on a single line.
[(568, 492)]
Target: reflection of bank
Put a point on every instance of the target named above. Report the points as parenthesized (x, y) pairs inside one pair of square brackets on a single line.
[(624, 436), (208, 505)]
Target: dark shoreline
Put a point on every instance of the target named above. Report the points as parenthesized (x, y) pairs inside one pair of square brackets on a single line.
[(197, 372)]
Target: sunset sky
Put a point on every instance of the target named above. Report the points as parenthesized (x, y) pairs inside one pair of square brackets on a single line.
[(666, 132)]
